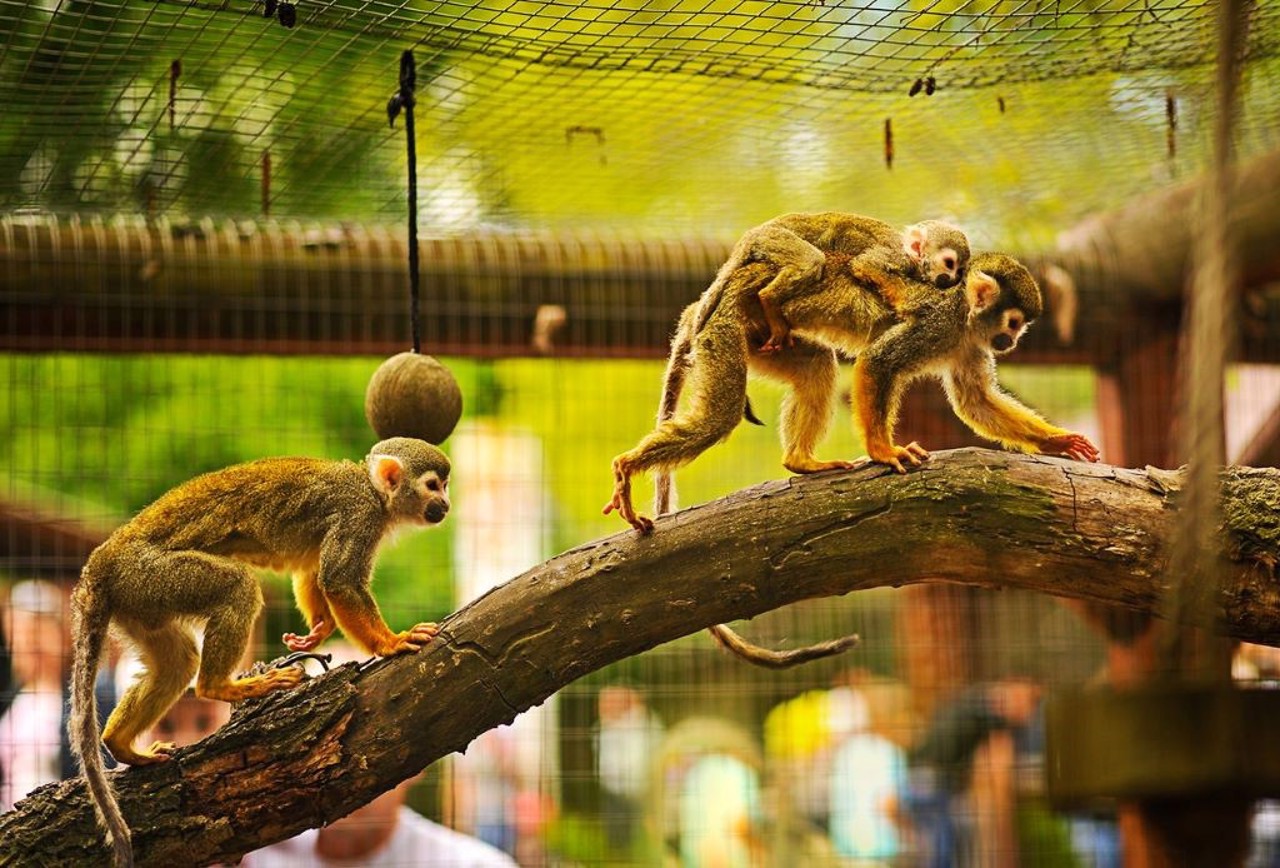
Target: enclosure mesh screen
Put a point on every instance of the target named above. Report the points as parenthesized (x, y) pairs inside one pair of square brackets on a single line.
[(654, 117), (186, 283)]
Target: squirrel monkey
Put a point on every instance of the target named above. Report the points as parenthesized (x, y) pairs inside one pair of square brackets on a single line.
[(954, 335), (186, 559), (802, 247)]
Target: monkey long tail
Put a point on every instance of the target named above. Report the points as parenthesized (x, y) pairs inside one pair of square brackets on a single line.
[(770, 659), (90, 619)]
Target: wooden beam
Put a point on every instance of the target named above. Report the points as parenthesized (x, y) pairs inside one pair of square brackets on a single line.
[(37, 543), (99, 286)]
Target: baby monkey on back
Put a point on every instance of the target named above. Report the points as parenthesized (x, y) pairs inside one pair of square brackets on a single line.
[(802, 247), (186, 559), (953, 334)]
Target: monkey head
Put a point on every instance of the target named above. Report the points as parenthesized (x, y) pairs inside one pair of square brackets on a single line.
[(1003, 300), (413, 477), (940, 251)]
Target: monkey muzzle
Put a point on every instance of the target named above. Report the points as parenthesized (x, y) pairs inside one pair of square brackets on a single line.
[(946, 281), (1002, 343), (436, 511)]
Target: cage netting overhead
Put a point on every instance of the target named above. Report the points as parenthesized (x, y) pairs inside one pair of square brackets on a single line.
[(656, 117)]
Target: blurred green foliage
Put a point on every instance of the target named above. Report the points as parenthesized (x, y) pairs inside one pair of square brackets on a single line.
[(679, 117), (105, 435)]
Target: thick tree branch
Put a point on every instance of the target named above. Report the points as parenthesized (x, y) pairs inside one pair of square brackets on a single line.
[(297, 759)]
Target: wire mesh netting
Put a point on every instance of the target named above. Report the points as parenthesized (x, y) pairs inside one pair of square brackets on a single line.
[(655, 117), (201, 264)]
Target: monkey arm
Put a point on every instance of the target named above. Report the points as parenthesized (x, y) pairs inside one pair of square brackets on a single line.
[(345, 569), (883, 272), (879, 376), (978, 400)]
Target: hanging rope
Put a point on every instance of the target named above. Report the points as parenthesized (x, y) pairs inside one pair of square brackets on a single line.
[(403, 99), (1194, 562)]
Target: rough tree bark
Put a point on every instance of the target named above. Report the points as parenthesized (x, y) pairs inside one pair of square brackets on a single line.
[(299, 758)]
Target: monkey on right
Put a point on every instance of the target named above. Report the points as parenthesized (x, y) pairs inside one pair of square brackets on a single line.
[(955, 335)]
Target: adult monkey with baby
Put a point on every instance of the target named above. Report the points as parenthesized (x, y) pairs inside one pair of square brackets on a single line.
[(955, 335), (186, 558), (984, 318), (868, 255), (801, 246)]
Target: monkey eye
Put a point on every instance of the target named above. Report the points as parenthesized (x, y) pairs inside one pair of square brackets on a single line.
[(949, 263), (433, 484), (1015, 322)]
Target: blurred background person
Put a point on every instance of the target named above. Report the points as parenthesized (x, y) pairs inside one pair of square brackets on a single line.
[(627, 739), (941, 765), (867, 779), (33, 742), (384, 833), (191, 719)]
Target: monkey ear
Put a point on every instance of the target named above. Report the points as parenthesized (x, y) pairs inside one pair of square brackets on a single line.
[(914, 238), (982, 290), (386, 472)]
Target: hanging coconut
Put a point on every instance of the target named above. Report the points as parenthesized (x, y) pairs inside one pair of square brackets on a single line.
[(413, 395)]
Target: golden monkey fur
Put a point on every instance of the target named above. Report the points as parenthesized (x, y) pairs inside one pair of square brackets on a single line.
[(954, 334), (185, 560), (801, 246)]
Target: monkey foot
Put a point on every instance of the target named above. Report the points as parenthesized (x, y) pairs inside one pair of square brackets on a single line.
[(777, 342), (252, 686), (159, 752), (813, 465), (621, 501), (415, 637), (913, 453), (628, 513), (1072, 445)]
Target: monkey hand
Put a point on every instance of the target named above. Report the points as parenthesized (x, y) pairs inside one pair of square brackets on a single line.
[(410, 640), (780, 338), (319, 632), (1071, 445), (159, 752), (913, 453)]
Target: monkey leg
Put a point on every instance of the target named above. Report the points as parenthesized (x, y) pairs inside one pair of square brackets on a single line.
[(799, 265), (897, 291), (169, 658), (716, 385), (356, 612), (810, 370), (875, 406), (226, 637), (315, 608)]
